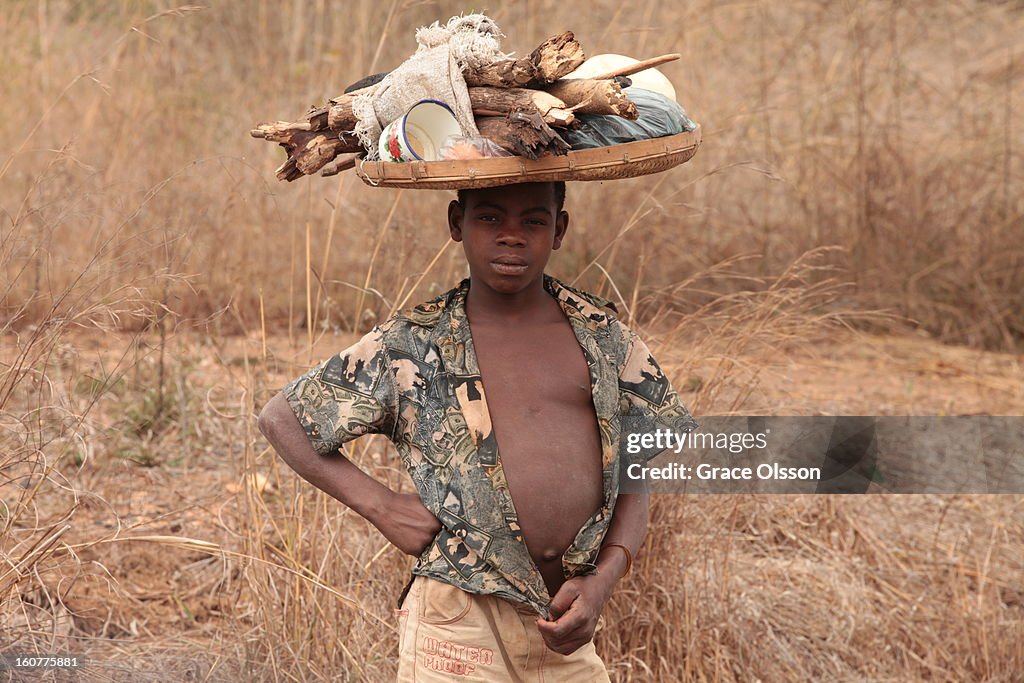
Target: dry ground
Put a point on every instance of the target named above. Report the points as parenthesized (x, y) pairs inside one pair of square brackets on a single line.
[(729, 588)]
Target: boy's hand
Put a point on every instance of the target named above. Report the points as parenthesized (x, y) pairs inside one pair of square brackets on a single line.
[(576, 608), (406, 522)]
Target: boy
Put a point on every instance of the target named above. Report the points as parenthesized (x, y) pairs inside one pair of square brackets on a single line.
[(537, 526)]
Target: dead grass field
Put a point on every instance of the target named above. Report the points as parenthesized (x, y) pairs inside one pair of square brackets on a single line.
[(847, 241), (191, 554)]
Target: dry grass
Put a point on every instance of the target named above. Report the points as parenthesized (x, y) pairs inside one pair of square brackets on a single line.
[(884, 128), (190, 564), (191, 552), (145, 522)]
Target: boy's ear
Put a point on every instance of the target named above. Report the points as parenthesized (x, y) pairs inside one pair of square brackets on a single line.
[(561, 227), (455, 217)]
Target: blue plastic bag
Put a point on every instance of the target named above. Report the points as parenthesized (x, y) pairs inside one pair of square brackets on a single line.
[(659, 116)]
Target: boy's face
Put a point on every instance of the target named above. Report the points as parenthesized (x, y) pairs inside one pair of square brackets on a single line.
[(508, 233)]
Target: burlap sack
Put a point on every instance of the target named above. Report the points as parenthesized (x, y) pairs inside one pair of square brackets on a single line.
[(433, 72)]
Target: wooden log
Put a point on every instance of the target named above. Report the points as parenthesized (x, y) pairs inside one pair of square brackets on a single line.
[(556, 57), (340, 116), (308, 151), (486, 101), (506, 73), (320, 149), (340, 108), (279, 131), (552, 59), (502, 101), (342, 163), (522, 133), (589, 96), (317, 118)]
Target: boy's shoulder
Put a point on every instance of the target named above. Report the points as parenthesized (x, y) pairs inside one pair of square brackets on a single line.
[(411, 330), (429, 313), (421, 320), (586, 302)]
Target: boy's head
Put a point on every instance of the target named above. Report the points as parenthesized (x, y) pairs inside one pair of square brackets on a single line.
[(557, 187), (509, 232)]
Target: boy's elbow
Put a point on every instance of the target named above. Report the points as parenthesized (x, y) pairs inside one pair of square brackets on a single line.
[(263, 421), (268, 418)]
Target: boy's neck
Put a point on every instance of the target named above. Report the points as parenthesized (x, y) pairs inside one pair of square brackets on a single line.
[(484, 304)]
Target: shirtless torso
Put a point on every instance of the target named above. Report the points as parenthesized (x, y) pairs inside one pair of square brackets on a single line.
[(538, 394)]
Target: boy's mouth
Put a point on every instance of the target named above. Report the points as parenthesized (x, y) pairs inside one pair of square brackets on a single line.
[(509, 265)]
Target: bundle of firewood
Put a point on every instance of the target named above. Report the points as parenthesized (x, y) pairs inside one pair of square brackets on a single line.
[(517, 103)]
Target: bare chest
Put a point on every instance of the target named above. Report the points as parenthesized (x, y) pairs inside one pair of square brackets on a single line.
[(532, 370), (538, 391)]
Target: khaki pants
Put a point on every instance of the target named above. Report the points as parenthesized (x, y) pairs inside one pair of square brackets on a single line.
[(447, 634)]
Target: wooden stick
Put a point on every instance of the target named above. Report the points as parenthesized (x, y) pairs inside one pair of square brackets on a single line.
[(506, 73), (279, 131), (486, 101), (593, 96), (340, 115), (342, 163), (501, 101), (552, 59), (523, 134), (320, 150), (640, 66), (556, 57), (308, 151)]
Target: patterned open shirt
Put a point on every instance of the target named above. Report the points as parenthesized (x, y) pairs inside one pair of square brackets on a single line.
[(415, 379)]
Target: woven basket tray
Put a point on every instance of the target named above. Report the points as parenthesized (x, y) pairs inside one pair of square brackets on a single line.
[(600, 163)]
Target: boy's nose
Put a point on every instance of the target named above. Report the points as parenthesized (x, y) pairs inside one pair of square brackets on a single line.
[(511, 236)]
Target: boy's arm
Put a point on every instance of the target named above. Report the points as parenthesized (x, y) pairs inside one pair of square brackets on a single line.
[(579, 602), (402, 518)]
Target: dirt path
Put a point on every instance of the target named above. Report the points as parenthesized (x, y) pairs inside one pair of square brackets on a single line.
[(881, 375), (866, 374)]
